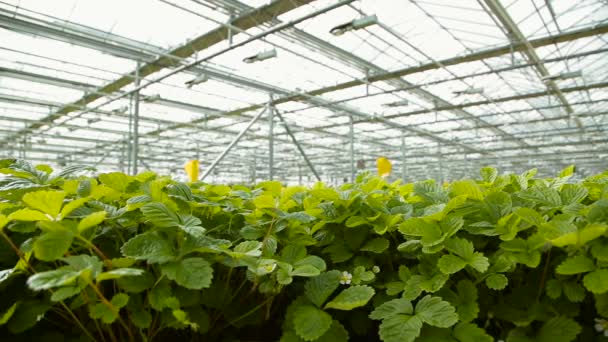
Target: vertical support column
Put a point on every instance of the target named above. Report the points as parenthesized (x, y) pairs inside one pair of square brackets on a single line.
[(299, 174), (135, 153), (270, 139), (351, 136), (403, 158), (440, 159), (129, 145), (253, 169)]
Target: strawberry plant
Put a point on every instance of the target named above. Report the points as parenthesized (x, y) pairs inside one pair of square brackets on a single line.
[(114, 257)]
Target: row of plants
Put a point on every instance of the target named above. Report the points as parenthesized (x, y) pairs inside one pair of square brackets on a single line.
[(115, 257)]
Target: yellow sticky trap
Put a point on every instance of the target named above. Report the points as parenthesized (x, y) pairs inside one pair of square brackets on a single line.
[(191, 168), (384, 167)]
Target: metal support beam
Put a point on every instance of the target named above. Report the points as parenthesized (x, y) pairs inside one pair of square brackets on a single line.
[(351, 138), (135, 114), (244, 22), (232, 144), (270, 139), (298, 146), (403, 158)]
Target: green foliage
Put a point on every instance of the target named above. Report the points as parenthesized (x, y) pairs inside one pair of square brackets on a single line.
[(119, 257)]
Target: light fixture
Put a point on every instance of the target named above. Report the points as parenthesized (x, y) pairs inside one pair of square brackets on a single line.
[(197, 80), (401, 103), (151, 98), (562, 76), (264, 55), (120, 110), (93, 120), (356, 24), (468, 91)]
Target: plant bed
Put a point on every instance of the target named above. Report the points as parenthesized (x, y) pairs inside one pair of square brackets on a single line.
[(145, 258)]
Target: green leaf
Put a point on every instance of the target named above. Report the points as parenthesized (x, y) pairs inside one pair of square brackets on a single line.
[(574, 291), (8, 313), (53, 245), (573, 193), (28, 215), (119, 273), (264, 202), (115, 180), (529, 215), (352, 297), (91, 220), (319, 288), (580, 237), (191, 273), (560, 329), (336, 333), (378, 245), (64, 293), (468, 188), (400, 328), (596, 281), (250, 248), (497, 281), (85, 262), (310, 322), (102, 312), (468, 332), (159, 215), (568, 171), (305, 271), (141, 318), (27, 314), (392, 308), (73, 205), (311, 260), (575, 265), (49, 202), (120, 300), (50, 279), (436, 312), (135, 284), (450, 264), (479, 262), (355, 221), (150, 246), (489, 174)]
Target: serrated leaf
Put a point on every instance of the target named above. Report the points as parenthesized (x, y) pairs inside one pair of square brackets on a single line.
[(560, 329), (159, 215), (529, 215), (49, 202), (488, 174), (574, 291), (336, 333), (64, 293), (497, 281), (73, 205), (436, 312), (91, 220), (119, 273), (305, 271), (450, 264), (150, 246), (352, 297), (264, 202), (377, 245), (119, 300), (479, 262), (468, 188), (28, 215), (575, 265), (191, 273), (310, 322), (355, 221), (319, 288), (392, 308), (573, 193), (50, 279), (468, 332), (311, 260), (53, 245), (596, 281), (250, 248), (400, 328)]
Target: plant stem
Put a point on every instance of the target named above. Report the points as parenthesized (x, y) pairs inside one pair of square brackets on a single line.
[(71, 313), (544, 276), (250, 312), (95, 249)]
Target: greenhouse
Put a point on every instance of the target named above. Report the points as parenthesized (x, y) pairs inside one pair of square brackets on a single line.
[(304, 170)]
